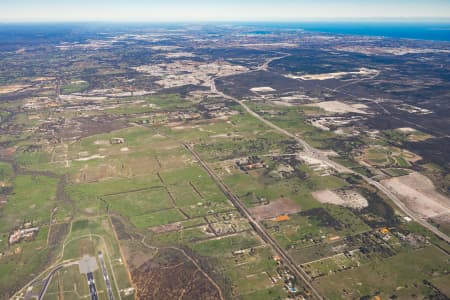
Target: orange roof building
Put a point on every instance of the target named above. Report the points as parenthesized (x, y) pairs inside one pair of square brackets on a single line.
[(282, 218)]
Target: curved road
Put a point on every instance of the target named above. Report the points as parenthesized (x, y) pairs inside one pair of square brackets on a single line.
[(309, 150)]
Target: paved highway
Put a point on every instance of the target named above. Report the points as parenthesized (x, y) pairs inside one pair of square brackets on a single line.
[(309, 150), (47, 281), (105, 276), (92, 288), (299, 273)]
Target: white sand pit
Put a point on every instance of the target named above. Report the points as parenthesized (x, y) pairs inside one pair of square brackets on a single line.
[(419, 194), (262, 89), (96, 156), (406, 129), (346, 198), (362, 72), (340, 107)]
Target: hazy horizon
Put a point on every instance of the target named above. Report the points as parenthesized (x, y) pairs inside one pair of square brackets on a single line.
[(173, 11)]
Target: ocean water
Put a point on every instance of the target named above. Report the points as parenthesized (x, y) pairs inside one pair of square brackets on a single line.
[(421, 31)]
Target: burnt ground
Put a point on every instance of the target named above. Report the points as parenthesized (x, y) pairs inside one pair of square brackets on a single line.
[(240, 85), (57, 234), (83, 127), (170, 275), (246, 57), (433, 150), (166, 273), (436, 124)]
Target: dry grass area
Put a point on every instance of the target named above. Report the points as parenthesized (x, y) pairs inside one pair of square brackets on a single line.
[(419, 194), (275, 208), (340, 107), (12, 88), (346, 198)]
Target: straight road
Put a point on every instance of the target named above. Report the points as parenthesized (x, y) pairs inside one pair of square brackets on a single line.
[(309, 150), (92, 288), (260, 230), (105, 276)]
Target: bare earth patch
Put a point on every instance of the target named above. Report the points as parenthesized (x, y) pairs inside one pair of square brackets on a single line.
[(167, 228), (406, 129), (262, 89), (338, 75), (12, 88), (90, 157), (346, 198), (275, 208), (340, 107), (101, 142), (418, 193)]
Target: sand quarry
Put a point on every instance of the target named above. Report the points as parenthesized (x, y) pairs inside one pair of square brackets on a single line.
[(338, 75), (418, 193), (12, 88), (346, 198), (340, 107)]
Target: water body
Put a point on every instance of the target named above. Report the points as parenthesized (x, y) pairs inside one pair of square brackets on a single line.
[(421, 31)]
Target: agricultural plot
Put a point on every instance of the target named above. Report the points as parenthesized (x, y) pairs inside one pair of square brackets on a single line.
[(332, 264), (157, 218), (31, 256), (255, 191), (32, 199), (315, 226), (104, 158), (140, 202), (402, 275), (242, 256)]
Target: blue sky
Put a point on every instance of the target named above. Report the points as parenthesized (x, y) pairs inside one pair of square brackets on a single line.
[(215, 10)]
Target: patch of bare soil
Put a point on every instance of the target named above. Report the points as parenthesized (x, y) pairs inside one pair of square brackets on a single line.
[(419, 194), (170, 275), (281, 206), (340, 107), (167, 228), (346, 198), (12, 88), (83, 127)]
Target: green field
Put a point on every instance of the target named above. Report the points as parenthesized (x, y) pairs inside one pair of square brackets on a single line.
[(157, 218), (32, 199), (401, 275)]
